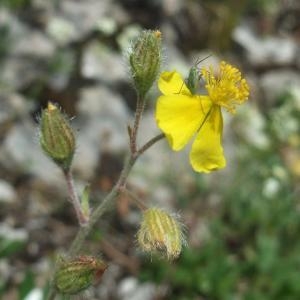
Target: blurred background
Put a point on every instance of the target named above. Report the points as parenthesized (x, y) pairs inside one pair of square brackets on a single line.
[(242, 223)]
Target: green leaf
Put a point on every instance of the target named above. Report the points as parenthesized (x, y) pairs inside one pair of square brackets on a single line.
[(26, 285), (9, 247)]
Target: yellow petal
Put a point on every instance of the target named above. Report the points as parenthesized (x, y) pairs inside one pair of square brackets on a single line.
[(207, 152), (170, 83), (180, 116)]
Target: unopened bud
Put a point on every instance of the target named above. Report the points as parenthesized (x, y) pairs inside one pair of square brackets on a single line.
[(57, 137), (78, 274), (160, 232), (145, 59)]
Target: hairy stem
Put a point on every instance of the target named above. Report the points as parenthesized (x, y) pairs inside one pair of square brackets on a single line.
[(74, 199), (101, 208), (138, 114), (150, 143)]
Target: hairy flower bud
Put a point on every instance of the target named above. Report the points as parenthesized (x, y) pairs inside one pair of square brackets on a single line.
[(160, 231), (78, 274), (145, 59), (56, 136)]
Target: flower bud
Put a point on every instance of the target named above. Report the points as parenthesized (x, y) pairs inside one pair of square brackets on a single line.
[(160, 232), (56, 136), (78, 274), (145, 59)]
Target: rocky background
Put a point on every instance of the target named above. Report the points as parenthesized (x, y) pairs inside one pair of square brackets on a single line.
[(242, 223)]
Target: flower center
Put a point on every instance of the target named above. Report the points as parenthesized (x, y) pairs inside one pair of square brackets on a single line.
[(228, 88)]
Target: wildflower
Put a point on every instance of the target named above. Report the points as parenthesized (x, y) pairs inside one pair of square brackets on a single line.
[(160, 231), (181, 114)]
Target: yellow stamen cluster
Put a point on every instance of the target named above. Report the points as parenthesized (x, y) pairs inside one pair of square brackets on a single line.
[(228, 88)]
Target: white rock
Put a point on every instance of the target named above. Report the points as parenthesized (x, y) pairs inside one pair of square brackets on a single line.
[(107, 25), (265, 50), (21, 150), (12, 105), (7, 192), (171, 7), (17, 73), (271, 187), (33, 43), (131, 289), (295, 92), (4, 270), (25, 40), (251, 125), (13, 234), (89, 12), (35, 294), (103, 118), (127, 36), (100, 101), (61, 30), (100, 62), (275, 83)]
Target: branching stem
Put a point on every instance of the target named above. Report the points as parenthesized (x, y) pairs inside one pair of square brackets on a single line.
[(84, 231), (135, 199)]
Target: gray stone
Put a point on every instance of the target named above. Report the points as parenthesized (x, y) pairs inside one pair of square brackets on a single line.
[(12, 106), (35, 294), (107, 25), (275, 83), (32, 43), (102, 119), (265, 50), (21, 151), (89, 13), (128, 34), (13, 234), (130, 289), (25, 40), (61, 30), (102, 63), (17, 73), (251, 125), (7, 192)]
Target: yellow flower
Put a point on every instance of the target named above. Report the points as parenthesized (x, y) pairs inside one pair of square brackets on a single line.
[(181, 114)]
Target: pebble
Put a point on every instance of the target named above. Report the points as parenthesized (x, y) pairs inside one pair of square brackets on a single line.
[(7, 192), (13, 234), (265, 50), (130, 289)]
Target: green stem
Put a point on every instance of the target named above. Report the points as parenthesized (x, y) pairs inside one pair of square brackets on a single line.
[(150, 143), (74, 199), (138, 114), (101, 208)]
